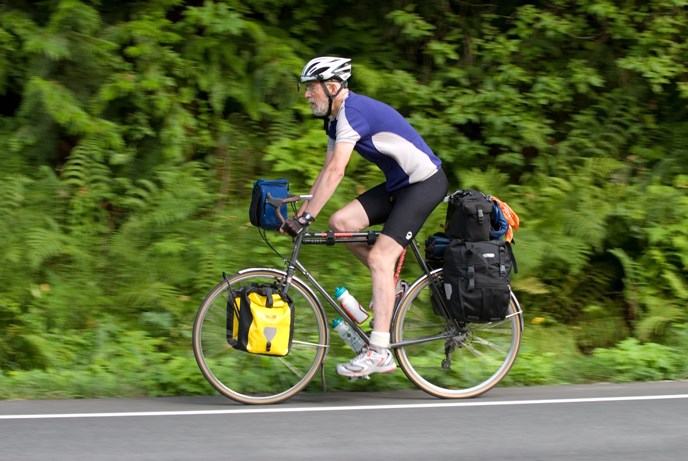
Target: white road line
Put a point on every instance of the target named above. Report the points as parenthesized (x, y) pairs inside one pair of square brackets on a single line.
[(277, 409)]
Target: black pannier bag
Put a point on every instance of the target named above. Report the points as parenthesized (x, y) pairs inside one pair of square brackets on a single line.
[(469, 213), (477, 277)]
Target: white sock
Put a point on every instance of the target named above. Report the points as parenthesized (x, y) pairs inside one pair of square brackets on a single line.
[(379, 341)]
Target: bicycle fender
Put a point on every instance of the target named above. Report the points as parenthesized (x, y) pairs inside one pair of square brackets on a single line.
[(519, 310), (294, 279)]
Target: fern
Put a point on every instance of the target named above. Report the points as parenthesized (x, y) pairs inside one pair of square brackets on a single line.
[(46, 243), (633, 280)]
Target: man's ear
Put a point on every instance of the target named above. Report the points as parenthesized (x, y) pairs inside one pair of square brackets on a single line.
[(334, 87)]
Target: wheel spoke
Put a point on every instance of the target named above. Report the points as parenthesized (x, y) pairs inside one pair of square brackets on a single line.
[(479, 354), (490, 344)]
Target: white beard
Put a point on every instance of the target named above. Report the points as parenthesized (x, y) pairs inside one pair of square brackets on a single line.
[(320, 109)]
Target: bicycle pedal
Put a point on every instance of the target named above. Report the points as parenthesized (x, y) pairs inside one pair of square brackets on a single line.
[(356, 378)]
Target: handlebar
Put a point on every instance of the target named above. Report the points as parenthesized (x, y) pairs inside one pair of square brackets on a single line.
[(278, 202)]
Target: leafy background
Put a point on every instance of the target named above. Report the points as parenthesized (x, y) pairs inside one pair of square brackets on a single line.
[(131, 132)]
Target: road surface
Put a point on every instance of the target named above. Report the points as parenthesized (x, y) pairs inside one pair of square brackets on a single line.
[(606, 422)]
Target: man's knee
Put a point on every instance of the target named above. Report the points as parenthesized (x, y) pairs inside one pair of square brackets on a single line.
[(384, 254), (338, 223), (380, 264), (351, 218)]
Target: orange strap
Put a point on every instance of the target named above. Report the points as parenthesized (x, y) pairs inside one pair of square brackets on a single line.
[(399, 266)]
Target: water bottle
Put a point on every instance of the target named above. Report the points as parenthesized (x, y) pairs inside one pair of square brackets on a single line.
[(348, 335), (352, 307)]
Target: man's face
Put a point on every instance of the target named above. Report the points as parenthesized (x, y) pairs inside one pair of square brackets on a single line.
[(317, 98)]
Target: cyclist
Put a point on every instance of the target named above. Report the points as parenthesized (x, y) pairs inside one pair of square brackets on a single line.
[(414, 185)]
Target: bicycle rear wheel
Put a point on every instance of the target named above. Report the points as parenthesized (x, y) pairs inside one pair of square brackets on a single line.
[(448, 360), (259, 379)]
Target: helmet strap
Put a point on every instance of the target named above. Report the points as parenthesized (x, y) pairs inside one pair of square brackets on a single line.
[(330, 99)]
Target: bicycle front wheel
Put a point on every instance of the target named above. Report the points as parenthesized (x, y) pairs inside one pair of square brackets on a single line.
[(449, 360), (251, 378)]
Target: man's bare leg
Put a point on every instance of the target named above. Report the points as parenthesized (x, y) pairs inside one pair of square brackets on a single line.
[(352, 218)]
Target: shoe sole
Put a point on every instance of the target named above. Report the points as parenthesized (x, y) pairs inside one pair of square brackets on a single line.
[(361, 375)]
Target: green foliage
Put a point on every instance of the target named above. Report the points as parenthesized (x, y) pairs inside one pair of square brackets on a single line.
[(633, 361), (131, 133)]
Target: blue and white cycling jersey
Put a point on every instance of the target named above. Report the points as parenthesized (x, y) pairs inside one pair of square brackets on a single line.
[(382, 136)]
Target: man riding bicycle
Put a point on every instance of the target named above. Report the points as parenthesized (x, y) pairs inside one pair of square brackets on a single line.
[(414, 185)]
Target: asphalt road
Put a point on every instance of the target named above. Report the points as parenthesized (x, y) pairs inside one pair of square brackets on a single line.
[(606, 422)]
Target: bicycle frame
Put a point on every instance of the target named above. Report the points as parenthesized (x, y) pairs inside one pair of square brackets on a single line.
[(331, 238)]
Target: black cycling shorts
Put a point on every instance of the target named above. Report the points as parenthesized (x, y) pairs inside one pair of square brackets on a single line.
[(404, 211)]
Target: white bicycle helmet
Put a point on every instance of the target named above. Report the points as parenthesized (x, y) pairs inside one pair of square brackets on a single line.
[(326, 68)]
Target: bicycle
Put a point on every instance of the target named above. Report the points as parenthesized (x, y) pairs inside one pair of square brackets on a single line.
[(443, 357)]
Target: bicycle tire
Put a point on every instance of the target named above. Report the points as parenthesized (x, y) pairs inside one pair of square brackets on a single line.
[(259, 379), (480, 354)]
